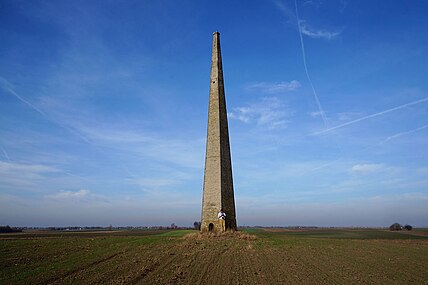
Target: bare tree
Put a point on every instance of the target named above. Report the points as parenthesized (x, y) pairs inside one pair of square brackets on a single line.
[(197, 225), (395, 227), (408, 227)]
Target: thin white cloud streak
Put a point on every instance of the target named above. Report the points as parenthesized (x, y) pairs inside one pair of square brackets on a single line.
[(345, 116), (268, 87), (5, 153), (14, 175), (8, 167), (6, 86), (270, 112), (404, 133), (306, 69), (67, 195), (315, 114), (317, 33), (77, 199), (367, 168), (177, 151), (372, 116), (154, 183), (328, 164), (286, 10)]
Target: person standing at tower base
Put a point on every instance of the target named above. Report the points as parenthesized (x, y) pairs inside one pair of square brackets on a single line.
[(222, 219)]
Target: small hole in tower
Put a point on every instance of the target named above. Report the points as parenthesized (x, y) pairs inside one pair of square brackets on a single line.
[(210, 227), (213, 81)]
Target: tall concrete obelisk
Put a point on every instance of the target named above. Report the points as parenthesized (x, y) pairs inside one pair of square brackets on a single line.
[(218, 182)]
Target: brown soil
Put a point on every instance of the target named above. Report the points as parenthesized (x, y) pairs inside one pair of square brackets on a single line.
[(232, 258)]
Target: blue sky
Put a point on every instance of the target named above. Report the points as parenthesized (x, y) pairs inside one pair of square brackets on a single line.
[(103, 111)]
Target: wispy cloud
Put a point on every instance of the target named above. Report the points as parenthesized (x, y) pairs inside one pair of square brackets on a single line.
[(152, 182), (367, 168), (315, 114), (5, 153), (5, 85), (268, 87), (125, 139), (317, 33), (149, 184), (70, 195), (416, 198), (18, 174), (423, 100), (270, 112), (77, 198), (287, 11), (346, 116), (25, 169), (343, 116), (305, 29)]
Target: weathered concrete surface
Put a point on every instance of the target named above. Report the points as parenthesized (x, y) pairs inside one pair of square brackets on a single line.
[(218, 181)]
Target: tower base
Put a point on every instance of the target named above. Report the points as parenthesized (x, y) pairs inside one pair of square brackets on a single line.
[(217, 226)]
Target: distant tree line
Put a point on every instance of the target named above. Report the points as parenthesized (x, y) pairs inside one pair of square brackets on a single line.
[(8, 229), (173, 226)]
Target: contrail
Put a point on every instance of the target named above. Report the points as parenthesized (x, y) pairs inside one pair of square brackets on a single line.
[(306, 68), (372, 116), (5, 86), (326, 164), (5, 153), (404, 133), (11, 91)]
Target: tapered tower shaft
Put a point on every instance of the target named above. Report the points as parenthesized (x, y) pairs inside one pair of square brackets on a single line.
[(218, 182)]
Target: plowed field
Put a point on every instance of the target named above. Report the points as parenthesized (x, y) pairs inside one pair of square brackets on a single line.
[(185, 257)]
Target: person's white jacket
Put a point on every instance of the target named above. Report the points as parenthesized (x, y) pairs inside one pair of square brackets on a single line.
[(221, 215)]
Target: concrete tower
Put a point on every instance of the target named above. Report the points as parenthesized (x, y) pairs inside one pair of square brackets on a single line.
[(218, 183)]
